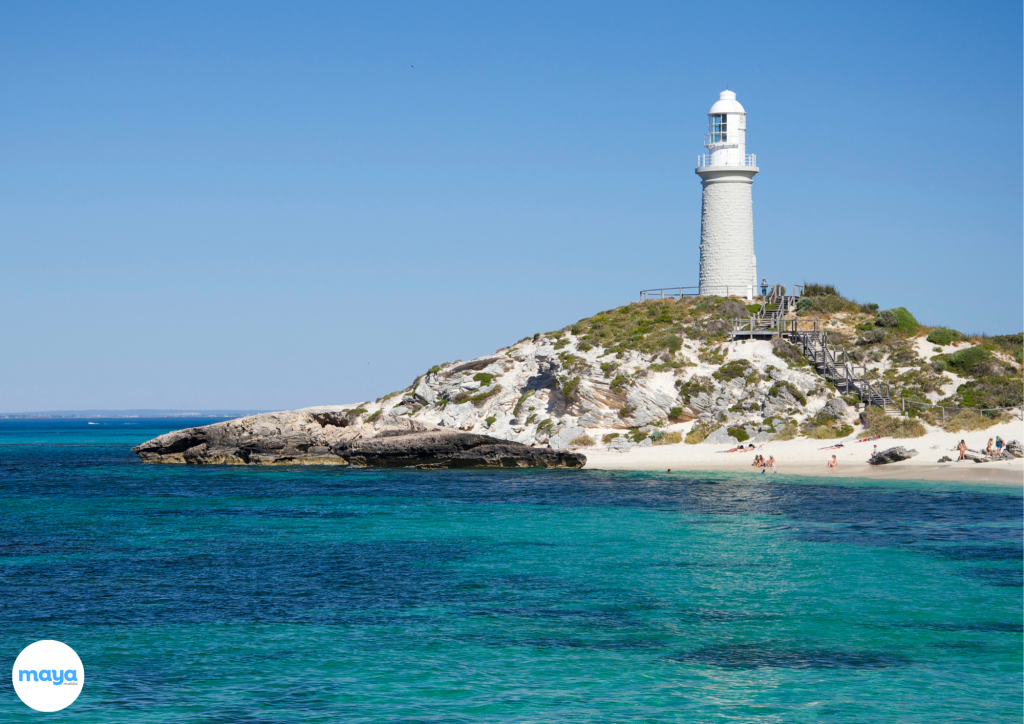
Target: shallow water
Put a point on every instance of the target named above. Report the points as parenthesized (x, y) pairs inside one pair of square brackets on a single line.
[(324, 594)]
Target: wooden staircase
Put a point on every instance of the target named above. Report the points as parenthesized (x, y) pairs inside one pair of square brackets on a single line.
[(832, 364), (836, 366)]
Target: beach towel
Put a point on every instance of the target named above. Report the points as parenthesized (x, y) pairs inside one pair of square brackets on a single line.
[(869, 439)]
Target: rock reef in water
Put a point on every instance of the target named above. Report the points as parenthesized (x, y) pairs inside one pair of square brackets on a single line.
[(330, 436)]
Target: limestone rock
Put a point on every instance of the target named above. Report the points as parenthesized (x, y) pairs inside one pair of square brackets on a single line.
[(945, 459), (720, 436), (564, 435), (893, 455), (1014, 449), (331, 437), (836, 408), (621, 444)]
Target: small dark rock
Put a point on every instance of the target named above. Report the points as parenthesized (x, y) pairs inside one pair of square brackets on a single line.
[(892, 455), (945, 459)]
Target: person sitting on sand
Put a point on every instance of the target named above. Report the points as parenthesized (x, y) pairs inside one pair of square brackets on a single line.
[(758, 462), (771, 462), (832, 463), (962, 447)]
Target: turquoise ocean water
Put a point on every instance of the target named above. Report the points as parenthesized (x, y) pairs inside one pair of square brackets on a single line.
[(331, 595)]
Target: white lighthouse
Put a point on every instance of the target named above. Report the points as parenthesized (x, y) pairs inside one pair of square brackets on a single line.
[(727, 262)]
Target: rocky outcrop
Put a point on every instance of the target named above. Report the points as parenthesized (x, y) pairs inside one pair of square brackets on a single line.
[(325, 436), (892, 455), (1014, 449)]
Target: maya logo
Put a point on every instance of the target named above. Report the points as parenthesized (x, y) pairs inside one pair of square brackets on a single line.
[(48, 675), (55, 676)]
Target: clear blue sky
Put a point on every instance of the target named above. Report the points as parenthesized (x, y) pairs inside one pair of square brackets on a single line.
[(255, 205)]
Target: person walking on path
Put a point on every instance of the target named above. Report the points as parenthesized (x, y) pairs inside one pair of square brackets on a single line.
[(764, 287), (962, 447)]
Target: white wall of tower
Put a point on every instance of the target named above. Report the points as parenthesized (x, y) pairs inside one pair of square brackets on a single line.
[(727, 263)]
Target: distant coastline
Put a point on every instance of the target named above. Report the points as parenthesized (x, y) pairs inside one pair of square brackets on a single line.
[(83, 414)]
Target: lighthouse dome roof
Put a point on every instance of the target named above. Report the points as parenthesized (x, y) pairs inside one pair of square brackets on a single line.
[(726, 103)]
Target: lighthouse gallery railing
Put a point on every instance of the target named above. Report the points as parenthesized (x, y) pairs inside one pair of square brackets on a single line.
[(704, 160)]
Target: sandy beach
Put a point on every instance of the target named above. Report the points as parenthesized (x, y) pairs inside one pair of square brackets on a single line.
[(806, 457)]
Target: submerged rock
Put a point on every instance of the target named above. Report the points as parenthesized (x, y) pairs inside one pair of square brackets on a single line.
[(322, 436)]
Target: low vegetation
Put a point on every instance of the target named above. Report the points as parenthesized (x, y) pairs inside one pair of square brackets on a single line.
[(943, 336), (971, 420), (885, 425), (669, 438), (582, 441)]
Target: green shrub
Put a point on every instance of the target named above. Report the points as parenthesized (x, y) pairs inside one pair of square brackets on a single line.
[(887, 318), (989, 392), (490, 421), (608, 367), (753, 308), (584, 346), (898, 318), (522, 398), (739, 433), (694, 386), (636, 435), (970, 361), (571, 387), (675, 413), (582, 441), (434, 370), (545, 424), (375, 416), (674, 343), (477, 399), (872, 336), (803, 304), (829, 432), (943, 336), (778, 387), (940, 365), (619, 382), (356, 411), (626, 410), (609, 437), (483, 378), (700, 431), (669, 438), (732, 370)]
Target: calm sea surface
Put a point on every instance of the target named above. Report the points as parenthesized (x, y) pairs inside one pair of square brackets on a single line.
[(325, 595)]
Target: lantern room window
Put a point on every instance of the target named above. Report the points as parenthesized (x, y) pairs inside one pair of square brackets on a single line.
[(719, 132)]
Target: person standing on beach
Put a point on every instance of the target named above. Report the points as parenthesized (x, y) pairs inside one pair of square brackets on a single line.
[(999, 446), (989, 452), (962, 447)]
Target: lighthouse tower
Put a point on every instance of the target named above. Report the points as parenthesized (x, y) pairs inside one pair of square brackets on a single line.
[(727, 262)]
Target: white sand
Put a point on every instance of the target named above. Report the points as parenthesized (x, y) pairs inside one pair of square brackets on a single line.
[(805, 457)]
